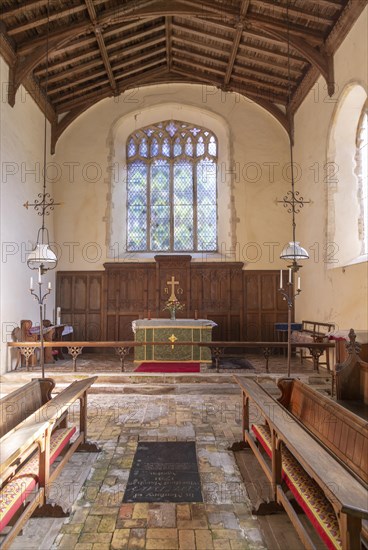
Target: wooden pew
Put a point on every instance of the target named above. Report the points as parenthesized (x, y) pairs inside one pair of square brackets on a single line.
[(352, 378), (313, 331), (34, 433), (306, 437)]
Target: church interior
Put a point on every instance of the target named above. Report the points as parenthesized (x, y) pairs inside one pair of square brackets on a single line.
[(184, 274)]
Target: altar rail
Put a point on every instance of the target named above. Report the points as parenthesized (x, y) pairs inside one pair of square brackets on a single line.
[(122, 349), (217, 349)]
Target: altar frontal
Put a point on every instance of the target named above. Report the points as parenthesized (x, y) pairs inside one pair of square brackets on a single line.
[(173, 332)]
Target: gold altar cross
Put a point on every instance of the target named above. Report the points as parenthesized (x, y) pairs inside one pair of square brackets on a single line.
[(172, 283), (172, 339)]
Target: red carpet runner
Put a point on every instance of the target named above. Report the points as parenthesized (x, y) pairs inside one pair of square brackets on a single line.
[(168, 367)]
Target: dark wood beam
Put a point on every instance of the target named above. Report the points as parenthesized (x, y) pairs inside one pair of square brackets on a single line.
[(94, 97), (328, 3), (322, 62), (321, 18), (251, 70), (265, 23), (82, 90), (200, 58), (201, 47), (261, 62), (343, 25), (87, 98), (111, 46), (200, 74), (256, 81), (43, 20), (168, 31), (279, 54), (133, 10), (205, 34), (210, 8), (101, 43), (90, 76), (274, 110), (26, 5), (313, 37), (237, 37), (79, 41), (105, 58)]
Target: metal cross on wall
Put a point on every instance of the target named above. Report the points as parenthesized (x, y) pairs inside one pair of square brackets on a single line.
[(172, 283)]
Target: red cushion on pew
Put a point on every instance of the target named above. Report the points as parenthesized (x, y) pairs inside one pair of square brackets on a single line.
[(306, 491), (13, 495), (15, 492), (59, 439)]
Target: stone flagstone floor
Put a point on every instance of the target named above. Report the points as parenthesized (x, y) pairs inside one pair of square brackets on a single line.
[(93, 485), (100, 521)]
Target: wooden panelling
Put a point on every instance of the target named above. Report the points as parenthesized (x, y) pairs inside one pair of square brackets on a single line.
[(263, 304), (79, 295), (102, 305)]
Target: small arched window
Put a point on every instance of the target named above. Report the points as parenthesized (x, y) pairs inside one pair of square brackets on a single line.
[(172, 188), (362, 173)]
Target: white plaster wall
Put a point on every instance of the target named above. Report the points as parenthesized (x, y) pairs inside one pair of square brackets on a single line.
[(21, 146), (331, 292), (255, 142)]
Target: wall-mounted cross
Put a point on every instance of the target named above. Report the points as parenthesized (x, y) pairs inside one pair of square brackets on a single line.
[(172, 283)]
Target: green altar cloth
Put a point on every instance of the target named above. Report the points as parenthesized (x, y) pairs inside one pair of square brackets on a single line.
[(167, 330)]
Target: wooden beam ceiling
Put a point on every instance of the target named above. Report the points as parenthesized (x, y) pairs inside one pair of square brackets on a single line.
[(86, 50)]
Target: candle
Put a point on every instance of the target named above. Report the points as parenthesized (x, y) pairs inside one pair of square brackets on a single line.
[(149, 314), (39, 275), (280, 278), (49, 285), (58, 315), (290, 275), (195, 314), (31, 284), (298, 283)]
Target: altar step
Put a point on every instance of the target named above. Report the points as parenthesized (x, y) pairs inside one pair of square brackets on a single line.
[(148, 384)]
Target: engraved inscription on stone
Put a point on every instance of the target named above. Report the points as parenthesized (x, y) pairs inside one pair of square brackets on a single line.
[(164, 472)]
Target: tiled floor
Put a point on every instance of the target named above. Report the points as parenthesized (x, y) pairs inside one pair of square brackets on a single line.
[(211, 416)]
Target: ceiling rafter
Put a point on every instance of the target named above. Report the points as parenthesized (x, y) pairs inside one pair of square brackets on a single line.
[(101, 44), (296, 12), (322, 62), (237, 37), (12, 31), (111, 46), (97, 48), (265, 103), (79, 91), (279, 54), (168, 31), (106, 91), (122, 65)]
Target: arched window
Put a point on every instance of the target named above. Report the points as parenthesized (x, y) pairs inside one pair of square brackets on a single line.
[(347, 185), (172, 188), (362, 173)]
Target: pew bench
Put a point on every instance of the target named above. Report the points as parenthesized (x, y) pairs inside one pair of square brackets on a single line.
[(34, 432), (312, 448), (312, 331)]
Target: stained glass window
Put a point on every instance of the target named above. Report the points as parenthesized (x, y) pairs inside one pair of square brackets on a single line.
[(172, 188)]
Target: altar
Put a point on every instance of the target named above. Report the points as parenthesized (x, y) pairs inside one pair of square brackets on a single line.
[(172, 331)]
